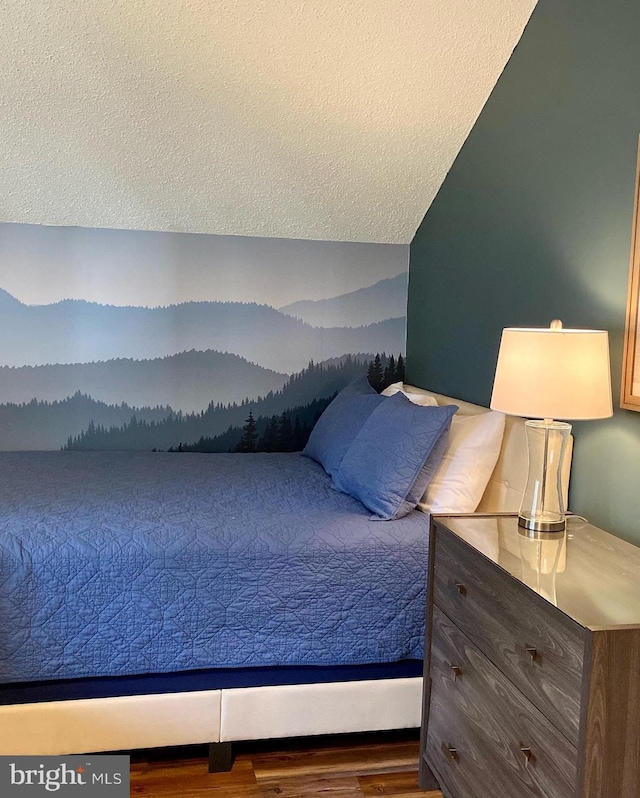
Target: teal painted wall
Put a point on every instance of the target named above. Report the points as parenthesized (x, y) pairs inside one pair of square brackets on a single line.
[(533, 222)]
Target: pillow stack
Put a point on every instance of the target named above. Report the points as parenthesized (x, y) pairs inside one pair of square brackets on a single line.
[(383, 450), (337, 427)]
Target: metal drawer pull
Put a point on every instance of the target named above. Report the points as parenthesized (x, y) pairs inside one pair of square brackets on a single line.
[(462, 590), (533, 654), (452, 753), (528, 756), (456, 671)]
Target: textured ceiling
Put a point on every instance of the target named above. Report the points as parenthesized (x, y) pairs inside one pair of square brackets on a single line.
[(321, 119)]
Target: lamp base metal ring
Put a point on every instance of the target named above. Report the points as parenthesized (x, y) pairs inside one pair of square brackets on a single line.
[(541, 526)]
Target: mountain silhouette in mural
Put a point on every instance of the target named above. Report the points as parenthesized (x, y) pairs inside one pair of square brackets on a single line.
[(305, 395), (47, 425), (8, 302), (385, 299), (76, 331), (188, 381), (81, 422)]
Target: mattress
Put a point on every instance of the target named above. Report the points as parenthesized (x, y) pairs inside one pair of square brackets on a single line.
[(203, 680), (125, 563)]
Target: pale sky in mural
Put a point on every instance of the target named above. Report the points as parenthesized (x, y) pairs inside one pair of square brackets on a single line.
[(41, 265)]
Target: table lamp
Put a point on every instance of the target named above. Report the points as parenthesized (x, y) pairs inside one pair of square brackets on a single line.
[(545, 374)]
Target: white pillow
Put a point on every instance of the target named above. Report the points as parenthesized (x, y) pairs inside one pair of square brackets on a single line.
[(468, 462), (417, 398)]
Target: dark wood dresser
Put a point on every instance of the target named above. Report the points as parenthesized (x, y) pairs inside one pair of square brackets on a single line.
[(532, 663)]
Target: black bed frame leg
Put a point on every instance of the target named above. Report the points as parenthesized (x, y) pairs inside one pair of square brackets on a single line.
[(221, 756)]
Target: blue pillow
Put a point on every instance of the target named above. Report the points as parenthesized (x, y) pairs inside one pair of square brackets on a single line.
[(394, 456), (338, 426)]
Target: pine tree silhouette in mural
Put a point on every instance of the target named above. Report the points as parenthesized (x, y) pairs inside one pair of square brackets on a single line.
[(249, 436), (389, 374), (383, 371), (267, 442), (300, 436), (284, 440), (375, 374), (280, 435), (279, 421)]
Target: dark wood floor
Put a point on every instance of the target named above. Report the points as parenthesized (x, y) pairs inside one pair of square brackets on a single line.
[(350, 766)]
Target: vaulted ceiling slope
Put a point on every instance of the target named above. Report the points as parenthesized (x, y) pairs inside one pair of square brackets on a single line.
[(318, 119)]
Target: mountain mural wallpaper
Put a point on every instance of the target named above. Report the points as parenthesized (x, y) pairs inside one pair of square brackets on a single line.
[(113, 339)]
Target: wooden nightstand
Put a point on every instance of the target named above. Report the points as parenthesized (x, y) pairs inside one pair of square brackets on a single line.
[(532, 662)]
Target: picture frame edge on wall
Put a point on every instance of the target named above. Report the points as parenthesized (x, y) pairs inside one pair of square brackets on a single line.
[(628, 399)]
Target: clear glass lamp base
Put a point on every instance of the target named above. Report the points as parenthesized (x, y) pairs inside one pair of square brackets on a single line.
[(542, 507)]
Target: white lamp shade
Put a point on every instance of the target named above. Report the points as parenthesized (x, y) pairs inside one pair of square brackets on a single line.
[(553, 373)]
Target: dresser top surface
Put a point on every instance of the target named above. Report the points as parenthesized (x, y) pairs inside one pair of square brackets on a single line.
[(590, 575)]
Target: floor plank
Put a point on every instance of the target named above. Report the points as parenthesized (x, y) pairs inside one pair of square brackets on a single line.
[(344, 766), (338, 760), (310, 786), (398, 785), (175, 777)]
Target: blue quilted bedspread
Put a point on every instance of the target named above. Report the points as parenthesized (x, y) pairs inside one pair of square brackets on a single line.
[(125, 563)]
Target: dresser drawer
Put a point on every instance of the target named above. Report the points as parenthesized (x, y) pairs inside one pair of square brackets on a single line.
[(536, 647), (481, 747)]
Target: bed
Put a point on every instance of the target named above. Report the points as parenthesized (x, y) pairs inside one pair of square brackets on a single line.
[(139, 608)]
